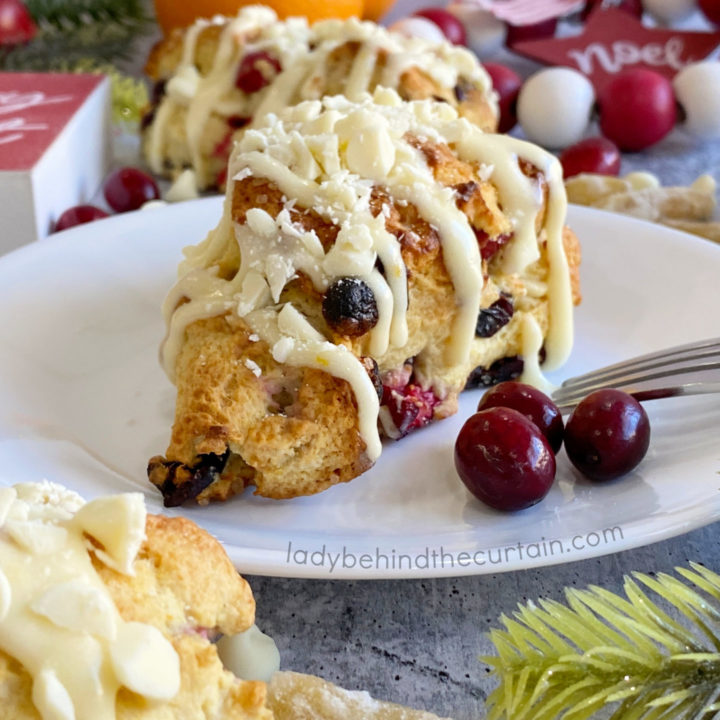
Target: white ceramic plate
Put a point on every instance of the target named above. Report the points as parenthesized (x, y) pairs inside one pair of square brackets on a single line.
[(84, 403)]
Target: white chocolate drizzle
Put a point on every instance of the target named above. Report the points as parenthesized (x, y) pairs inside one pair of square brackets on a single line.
[(309, 153)]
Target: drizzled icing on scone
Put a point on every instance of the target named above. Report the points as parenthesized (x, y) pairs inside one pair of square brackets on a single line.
[(329, 157), (303, 54), (57, 617)]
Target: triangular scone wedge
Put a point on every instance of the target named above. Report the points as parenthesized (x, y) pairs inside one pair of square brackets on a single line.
[(217, 78), (373, 259)]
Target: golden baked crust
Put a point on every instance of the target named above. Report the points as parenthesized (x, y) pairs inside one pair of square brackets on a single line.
[(292, 431), (186, 586), (332, 52), (294, 696)]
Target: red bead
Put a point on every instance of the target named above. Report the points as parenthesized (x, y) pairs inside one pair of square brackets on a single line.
[(129, 189), (16, 23), (507, 84), (592, 155), (78, 215), (451, 27), (711, 10), (538, 31), (637, 108), (634, 7)]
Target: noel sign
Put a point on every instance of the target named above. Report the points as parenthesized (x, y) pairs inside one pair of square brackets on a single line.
[(34, 109), (613, 40)]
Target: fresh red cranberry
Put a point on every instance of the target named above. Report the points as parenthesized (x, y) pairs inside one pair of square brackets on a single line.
[(507, 84), (79, 215), (489, 246), (607, 435), (711, 10), (634, 7), (637, 108), (256, 71), (451, 27), (129, 189), (537, 31), (222, 147), (535, 405), (16, 23), (410, 407), (504, 460), (592, 155)]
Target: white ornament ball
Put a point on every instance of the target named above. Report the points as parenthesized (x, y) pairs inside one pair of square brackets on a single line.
[(669, 11), (485, 33), (554, 107), (697, 89), (418, 27)]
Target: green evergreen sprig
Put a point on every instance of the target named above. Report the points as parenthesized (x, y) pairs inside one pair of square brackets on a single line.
[(567, 662), (73, 30)]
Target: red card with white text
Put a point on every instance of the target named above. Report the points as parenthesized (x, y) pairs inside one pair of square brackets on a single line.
[(613, 40), (54, 149), (34, 108)]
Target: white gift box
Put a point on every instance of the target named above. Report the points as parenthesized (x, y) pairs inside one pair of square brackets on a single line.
[(54, 149)]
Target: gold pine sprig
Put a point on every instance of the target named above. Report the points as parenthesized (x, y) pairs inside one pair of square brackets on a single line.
[(625, 655)]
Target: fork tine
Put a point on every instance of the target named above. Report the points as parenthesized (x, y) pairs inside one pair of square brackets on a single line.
[(684, 364), (641, 373), (674, 356)]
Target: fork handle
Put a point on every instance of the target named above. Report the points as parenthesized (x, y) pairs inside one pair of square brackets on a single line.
[(571, 401)]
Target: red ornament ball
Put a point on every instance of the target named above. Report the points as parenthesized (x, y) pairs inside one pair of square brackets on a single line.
[(711, 10), (451, 27), (507, 84), (592, 155), (637, 108), (16, 23)]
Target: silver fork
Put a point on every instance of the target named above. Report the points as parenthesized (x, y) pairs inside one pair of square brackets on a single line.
[(691, 369)]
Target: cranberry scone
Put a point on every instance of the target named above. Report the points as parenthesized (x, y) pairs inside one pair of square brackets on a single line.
[(108, 613), (218, 77), (373, 259)]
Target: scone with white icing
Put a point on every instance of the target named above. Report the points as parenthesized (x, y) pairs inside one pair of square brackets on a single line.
[(216, 78), (107, 613), (373, 258)]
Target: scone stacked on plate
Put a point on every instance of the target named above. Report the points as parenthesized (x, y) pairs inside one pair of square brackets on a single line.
[(107, 613), (218, 77), (373, 258)]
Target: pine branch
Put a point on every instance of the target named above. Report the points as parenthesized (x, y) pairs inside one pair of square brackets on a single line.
[(73, 30), (567, 662)]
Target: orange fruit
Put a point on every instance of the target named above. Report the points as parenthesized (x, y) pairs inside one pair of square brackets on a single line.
[(375, 9), (174, 13)]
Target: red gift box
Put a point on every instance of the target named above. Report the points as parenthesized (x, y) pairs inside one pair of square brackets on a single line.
[(54, 149)]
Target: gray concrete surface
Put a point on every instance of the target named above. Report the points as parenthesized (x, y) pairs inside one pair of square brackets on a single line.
[(417, 641)]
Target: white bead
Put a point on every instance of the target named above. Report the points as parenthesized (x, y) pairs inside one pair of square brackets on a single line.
[(485, 33), (554, 107), (669, 11), (697, 88), (419, 27)]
